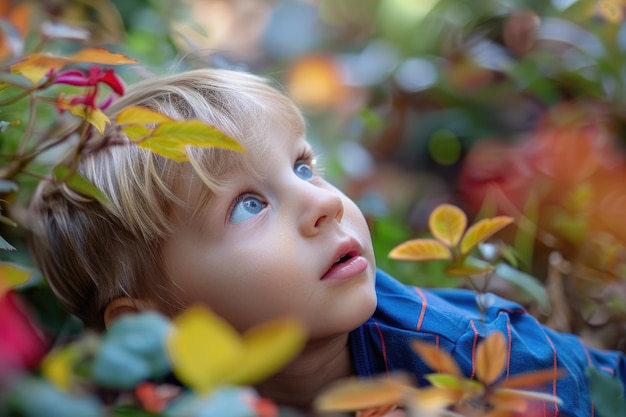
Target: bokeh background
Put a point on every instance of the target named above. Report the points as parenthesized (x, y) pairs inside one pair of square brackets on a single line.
[(512, 107)]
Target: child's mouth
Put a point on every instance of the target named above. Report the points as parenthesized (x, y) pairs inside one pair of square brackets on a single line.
[(343, 259)]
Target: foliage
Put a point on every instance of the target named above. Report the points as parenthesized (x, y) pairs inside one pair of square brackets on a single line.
[(510, 110)]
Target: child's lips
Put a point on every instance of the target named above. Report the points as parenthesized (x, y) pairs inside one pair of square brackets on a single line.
[(346, 262), (347, 269)]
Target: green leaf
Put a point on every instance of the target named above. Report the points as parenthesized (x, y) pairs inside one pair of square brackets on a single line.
[(468, 267), (529, 284), (7, 221), (607, 393), (78, 183)]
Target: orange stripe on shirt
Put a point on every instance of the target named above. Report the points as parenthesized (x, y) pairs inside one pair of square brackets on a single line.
[(555, 365), (424, 305), (474, 349), (383, 347)]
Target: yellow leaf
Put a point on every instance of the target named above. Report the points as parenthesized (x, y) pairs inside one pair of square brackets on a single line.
[(356, 394), (491, 358), (12, 275), (137, 115), (482, 231), (420, 250), (95, 117), (57, 368), (175, 151), (136, 133), (203, 349), (447, 223), (195, 133), (269, 347), (437, 359), (35, 66), (101, 56)]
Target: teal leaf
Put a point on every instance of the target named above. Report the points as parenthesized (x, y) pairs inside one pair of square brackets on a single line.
[(607, 393)]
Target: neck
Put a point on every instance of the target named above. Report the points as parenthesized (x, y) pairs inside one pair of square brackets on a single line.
[(321, 363)]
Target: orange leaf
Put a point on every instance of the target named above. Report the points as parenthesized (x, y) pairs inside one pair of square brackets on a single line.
[(35, 66), (432, 401), (491, 358), (355, 394), (529, 379), (420, 250), (482, 231), (101, 56), (447, 223), (437, 359), (508, 400)]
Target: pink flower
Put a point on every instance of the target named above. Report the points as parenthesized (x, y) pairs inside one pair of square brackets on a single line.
[(92, 79), (22, 346)]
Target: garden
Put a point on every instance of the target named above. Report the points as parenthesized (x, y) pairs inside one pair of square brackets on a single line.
[(485, 142)]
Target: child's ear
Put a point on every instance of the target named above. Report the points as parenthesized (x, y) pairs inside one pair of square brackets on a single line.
[(124, 305)]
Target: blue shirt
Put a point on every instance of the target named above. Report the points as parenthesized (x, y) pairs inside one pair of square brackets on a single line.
[(451, 320)]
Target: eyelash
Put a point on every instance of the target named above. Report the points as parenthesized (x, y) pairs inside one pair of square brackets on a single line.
[(307, 156)]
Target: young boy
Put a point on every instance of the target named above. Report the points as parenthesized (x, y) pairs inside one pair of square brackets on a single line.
[(258, 235)]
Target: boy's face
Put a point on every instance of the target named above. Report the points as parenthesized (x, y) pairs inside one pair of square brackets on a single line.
[(269, 247)]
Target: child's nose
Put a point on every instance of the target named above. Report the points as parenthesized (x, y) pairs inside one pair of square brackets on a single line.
[(320, 207)]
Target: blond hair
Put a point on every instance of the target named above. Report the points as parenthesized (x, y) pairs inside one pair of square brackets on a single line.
[(91, 253)]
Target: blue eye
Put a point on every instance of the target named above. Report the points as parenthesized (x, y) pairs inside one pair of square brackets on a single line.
[(245, 209), (303, 170)]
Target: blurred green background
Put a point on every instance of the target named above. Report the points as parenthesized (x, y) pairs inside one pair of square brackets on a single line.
[(498, 106)]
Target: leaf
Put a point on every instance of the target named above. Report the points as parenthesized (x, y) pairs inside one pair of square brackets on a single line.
[(511, 400), (437, 359), (95, 117), (491, 358), (137, 115), (4, 245), (443, 380), (420, 250), (8, 186), (169, 139), (203, 349), (468, 267), (101, 56), (529, 284), (533, 378), (481, 231), (78, 183), (35, 66), (508, 396), (269, 347), (12, 276), (196, 133), (607, 393), (137, 133), (356, 394), (447, 223), (57, 367), (432, 401)]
